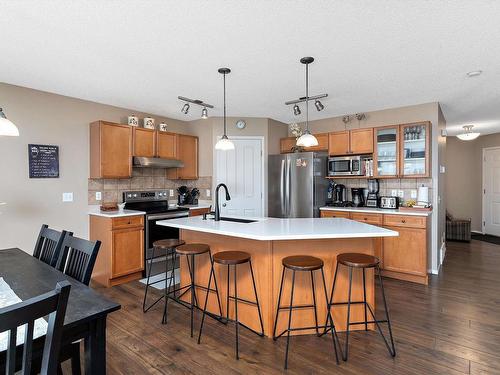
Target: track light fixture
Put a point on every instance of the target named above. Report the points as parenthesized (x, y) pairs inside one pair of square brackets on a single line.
[(204, 113), (185, 107), (296, 110), (319, 105)]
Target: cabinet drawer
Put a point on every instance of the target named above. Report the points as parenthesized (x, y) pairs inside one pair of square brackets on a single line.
[(128, 222), (405, 221), (343, 214), (368, 218)]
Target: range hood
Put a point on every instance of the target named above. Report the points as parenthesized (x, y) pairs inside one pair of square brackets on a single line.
[(144, 162)]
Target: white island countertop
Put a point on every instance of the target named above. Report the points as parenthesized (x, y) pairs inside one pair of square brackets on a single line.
[(272, 229)]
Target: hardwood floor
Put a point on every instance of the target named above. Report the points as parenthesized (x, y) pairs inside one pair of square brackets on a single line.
[(451, 326)]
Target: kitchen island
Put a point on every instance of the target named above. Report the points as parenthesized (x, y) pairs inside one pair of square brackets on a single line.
[(269, 240)]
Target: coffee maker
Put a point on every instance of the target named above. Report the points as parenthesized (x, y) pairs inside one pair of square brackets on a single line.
[(357, 197), (372, 198), (339, 195)]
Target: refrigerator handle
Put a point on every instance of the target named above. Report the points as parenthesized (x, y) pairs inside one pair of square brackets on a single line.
[(288, 186), (282, 188)]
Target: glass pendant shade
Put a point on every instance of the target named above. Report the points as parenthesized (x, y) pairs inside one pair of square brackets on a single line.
[(468, 135), (307, 140), (224, 144), (7, 128)]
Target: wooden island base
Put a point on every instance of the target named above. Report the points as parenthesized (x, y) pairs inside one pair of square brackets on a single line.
[(267, 266)]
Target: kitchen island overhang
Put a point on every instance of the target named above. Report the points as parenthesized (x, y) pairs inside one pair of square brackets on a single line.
[(269, 240)]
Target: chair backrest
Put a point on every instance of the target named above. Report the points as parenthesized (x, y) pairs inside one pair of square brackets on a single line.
[(78, 258), (25, 313), (48, 245)]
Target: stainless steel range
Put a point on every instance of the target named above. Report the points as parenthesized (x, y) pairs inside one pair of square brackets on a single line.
[(155, 204)]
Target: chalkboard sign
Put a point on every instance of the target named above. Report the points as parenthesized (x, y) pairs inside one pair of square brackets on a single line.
[(43, 161)]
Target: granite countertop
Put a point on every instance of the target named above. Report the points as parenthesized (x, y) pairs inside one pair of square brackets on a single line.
[(377, 210), (266, 229)]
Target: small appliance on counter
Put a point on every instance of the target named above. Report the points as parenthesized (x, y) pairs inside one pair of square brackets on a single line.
[(372, 196), (357, 197), (389, 202), (339, 197)]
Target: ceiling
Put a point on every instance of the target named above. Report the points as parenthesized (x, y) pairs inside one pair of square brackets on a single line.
[(369, 54)]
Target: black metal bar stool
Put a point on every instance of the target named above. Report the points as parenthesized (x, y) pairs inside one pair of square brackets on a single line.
[(234, 258), (191, 251), (362, 261), (303, 263), (168, 247)]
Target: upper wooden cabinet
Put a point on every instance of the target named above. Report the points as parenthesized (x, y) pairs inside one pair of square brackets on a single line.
[(187, 152), (402, 150), (110, 150), (357, 141), (167, 146), (144, 142), (286, 144)]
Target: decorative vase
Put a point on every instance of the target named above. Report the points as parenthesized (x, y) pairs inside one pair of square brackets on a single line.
[(133, 120), (162, 126), (149, 123)]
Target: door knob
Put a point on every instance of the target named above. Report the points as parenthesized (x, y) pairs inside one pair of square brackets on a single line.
[(223, 205)]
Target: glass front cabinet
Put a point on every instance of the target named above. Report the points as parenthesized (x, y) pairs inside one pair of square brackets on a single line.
[(402, 150)]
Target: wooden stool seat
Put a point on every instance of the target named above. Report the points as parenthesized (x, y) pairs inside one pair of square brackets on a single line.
[(231, 257), (168, 243), (302, 263), (193, 249), (358, 260)]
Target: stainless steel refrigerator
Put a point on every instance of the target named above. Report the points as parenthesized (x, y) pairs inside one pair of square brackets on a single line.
[(297, 185)]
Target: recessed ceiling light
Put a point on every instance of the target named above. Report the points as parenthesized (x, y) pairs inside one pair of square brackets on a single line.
[(474, 73)]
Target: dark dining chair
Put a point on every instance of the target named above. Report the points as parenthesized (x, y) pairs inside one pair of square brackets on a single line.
[(25, 313), (77, 258), (48, 245)]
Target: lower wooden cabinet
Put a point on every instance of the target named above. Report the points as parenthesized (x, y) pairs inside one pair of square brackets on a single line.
[(343, 214), (199, 211), (121, 256)]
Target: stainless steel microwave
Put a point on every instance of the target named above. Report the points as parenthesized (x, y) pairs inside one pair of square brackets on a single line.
[(346, 166)]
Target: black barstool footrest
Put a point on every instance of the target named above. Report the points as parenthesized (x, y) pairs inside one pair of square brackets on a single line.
[(297, 307)]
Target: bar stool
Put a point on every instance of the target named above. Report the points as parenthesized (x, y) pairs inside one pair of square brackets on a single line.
[(191, 251), (362, 261), (234, 258), (303, 263), (168, 246)]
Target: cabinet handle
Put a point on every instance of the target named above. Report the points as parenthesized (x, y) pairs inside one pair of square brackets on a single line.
[(403, 221), (128, 222)]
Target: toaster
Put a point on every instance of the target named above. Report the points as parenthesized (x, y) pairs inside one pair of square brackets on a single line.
[(389, 202)]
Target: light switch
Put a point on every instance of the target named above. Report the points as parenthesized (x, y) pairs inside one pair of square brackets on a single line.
[(401, 194), (171, 192), (413, 194), (394, 193), (98, 195), (208, 193), (67, 197)]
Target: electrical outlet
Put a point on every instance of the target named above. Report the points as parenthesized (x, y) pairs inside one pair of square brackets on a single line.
[(413, 194), (394, 193), (67, 197), (171, 192), (208, 193), (98, 195), (401, 194)]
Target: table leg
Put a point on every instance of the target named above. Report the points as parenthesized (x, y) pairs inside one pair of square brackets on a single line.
[(95, 348)]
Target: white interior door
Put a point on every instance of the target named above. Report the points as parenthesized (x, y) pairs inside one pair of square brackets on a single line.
[(241, 170), (491, 186)]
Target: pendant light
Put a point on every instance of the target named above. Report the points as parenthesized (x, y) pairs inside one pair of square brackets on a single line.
[(468, 134), (7, 127), (307, 139), (224, 144)]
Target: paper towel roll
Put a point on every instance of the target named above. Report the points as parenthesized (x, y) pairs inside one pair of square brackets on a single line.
[(423, 195)]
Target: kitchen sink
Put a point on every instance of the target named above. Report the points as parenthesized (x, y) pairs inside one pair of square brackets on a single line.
[(245, 221)]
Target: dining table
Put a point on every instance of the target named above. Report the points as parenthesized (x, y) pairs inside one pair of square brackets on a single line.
[(86, 312)]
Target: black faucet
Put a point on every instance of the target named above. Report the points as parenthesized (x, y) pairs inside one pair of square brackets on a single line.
[(217, 208)]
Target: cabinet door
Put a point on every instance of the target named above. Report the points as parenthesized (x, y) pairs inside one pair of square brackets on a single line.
[(322, 143), (286, 144), (338, 143), (167, 145), (128, 251), (115, 150), (187, 152), (342, 214), (406, 253), (385, 155), (144, 142), (361, 141), (415, 149)]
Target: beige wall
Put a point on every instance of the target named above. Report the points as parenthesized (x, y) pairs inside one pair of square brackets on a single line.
[(464, 178), (57, 120)]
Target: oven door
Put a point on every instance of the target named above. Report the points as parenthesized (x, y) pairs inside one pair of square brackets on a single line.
[(339, 166)]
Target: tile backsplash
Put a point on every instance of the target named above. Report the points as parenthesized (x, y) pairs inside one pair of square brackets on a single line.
[(143, 179), (387, 185)]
